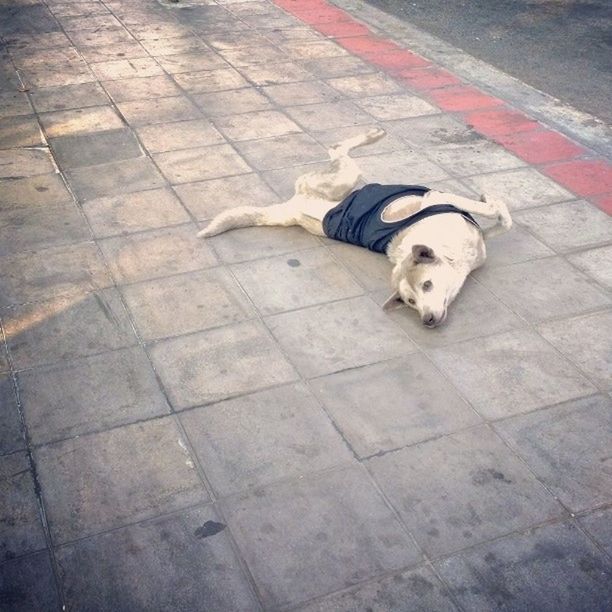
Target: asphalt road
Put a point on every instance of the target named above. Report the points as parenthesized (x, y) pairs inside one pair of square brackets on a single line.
[(562, 47)]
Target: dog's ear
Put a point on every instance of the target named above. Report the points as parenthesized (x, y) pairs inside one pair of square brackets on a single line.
[(423, 254), (391, 300)]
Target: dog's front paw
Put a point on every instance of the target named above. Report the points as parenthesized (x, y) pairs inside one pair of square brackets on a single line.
[(376, 133)]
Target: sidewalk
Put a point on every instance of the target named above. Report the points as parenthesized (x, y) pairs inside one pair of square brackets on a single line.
[(196, 440)]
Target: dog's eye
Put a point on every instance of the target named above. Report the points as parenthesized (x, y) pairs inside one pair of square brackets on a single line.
[(427, 285), (411, 301)]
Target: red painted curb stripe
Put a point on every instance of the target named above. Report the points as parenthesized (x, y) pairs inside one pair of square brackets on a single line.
[(486, 114)]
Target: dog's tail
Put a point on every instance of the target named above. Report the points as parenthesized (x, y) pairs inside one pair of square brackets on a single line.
[(248, 216), (343, 148)]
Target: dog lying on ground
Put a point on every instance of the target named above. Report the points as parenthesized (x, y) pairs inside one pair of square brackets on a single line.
[(430, 236)]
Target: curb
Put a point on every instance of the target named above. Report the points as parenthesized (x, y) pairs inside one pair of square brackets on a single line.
[(577, 168)]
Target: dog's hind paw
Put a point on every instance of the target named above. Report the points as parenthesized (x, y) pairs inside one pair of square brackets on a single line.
[(206, 232), (376, 133)]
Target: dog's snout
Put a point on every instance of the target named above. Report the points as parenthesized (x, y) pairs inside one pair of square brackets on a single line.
[(429, 319)]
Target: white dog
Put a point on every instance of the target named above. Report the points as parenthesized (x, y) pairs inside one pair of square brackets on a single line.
[(429, 236)]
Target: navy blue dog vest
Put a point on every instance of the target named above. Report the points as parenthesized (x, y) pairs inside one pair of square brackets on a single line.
[(358, 218)]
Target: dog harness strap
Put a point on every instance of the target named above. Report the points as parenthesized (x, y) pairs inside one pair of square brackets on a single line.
[(358, 218)]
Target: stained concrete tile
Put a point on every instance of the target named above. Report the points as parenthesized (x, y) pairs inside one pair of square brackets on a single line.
[(555, 289), (55, 271), (568, 226), (515, 246), (125, 49), (510, 373), (566, 447), (219, 363), (205, 199), (14, 104), (114, 178), (414, 402), (262, 124), (100, 37), (430, 131), (126, 68), (295, 280), (417, 590), (586, 342), (57, 74), (21, 131), (396, 106), (328, 115), (173, 46), (475, 312), (68, 97), (221, 79), (22, 531), (313, 49), (597, 263), (141, 87), (149, 565), (232, 102), (599, 525), (251, 55), (29, 584), (147, 255), (66, 327), (186, 303), (462, 489), (365, 85), (520, 189), (201, 163), (20, 163), (281, 151), (256, 439), (132, 212), (308, 537), (75, 9), (192, 62), (101, 481), (42, 190), (330, 67), (79, 121), (11, 437), (77, 151), (276, 74), (158, 110), (403, 167), (307, 92), (551, 568), (372, 270), (328, 338), (163, 137), (31, 226), (88, 22), (91, 394)]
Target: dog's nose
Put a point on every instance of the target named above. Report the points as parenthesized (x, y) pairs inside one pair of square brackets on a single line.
[(429, 320)]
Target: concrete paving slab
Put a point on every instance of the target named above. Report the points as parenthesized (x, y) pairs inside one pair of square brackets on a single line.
[(597, 263), (68, 97), (232, 102), (162, 137), (599, 525), (22, 131), (141, 87), (11, 435), (158, 110)]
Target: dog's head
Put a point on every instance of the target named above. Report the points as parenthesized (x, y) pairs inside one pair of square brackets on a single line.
[(427, 283)]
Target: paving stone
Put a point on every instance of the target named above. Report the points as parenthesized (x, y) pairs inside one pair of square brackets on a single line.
[(228, 39), (330, 67), (31, 226), (365, 85), (56, 271), (57, 74), (140, 88), (101, 481), (173, 46), (219, 363), (555, 289), (22, 531), (78, 8), (430, 131), (100, 37), (585, 342), (328, 115), (207, 198), (396, 106), (599, 525), (569, 225), (371, 270), (413, 403), (132, 212), (475, 312), (158, 110), (88, 22), (188, 165), (68, 97), (283, 180), (28, 583), (276, 74), (11, 437), (515, 246), (79, 121), (232, 102), (256, 439), (308, 537), (91, 394), (114, 178), (45, 189), (126, 68), (308, 92), (13, 104), (20, 132), (19, 163), (552, 568), (510, 373), (220, 79), (66, 328), (597, 263), (186, 303), (328, 338), (295, 280), (147, 255), (150, 564), (401, 167), (295, 33), (462, 489), (81, 150), (164, 137), (313, 49), (125, 49), (566, 446), (261, 124), (417, 590), (251, 55)]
